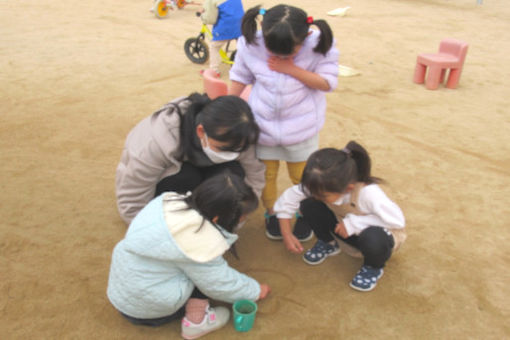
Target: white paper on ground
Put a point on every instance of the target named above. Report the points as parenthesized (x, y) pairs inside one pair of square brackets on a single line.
[(345, 71), (338, 11)]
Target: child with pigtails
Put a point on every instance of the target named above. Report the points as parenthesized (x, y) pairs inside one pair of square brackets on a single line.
[(291, 62)]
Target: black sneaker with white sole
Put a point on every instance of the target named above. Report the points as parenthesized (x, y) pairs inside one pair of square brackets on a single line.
[(272, 227)]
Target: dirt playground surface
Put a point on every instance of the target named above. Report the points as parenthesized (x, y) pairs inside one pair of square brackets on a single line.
[(76, 76)]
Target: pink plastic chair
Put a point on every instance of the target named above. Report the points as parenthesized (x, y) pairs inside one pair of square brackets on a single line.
[(451, 55), (215, 87)]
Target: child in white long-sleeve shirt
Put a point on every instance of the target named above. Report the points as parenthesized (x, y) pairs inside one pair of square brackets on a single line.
[(347, 211)]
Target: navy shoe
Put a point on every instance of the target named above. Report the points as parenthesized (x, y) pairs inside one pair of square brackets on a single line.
[(302, 230), (366, 278), (272, 227), (320, 251)]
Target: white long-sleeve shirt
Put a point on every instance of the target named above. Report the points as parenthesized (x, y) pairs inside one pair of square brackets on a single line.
[(379, 210)]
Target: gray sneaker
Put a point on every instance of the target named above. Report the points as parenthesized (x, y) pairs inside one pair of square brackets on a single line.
[(214, 319)]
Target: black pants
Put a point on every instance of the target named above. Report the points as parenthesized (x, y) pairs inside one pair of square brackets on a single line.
[(374, 243), (191, 176), (197, 294)]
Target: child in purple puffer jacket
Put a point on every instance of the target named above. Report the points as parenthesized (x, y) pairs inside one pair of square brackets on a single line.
[(291, 67)]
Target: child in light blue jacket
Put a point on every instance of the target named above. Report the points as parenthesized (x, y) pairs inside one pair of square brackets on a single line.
[(171, 259)]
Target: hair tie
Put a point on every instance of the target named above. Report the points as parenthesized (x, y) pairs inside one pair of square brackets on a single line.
[(347, 151), (262, 11), (309, 20)]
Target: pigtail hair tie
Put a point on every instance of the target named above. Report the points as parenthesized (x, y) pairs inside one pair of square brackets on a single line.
[(347, 151), (262, 11), (309, 20)]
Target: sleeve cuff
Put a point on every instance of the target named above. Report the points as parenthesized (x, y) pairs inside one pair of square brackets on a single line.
[(348, 227), (284, 215)]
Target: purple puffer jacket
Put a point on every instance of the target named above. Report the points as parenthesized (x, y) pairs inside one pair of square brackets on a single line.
[(287, 111)]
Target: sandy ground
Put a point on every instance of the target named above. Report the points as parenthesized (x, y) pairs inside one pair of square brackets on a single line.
[(75, 77)]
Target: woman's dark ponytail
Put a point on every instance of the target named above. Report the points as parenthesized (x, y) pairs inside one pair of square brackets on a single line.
[(198, 102), (249, 24), (326, 38), (188, 125)]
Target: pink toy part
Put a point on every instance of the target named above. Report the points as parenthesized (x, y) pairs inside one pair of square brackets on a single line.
[(451, 56), (215, 87)]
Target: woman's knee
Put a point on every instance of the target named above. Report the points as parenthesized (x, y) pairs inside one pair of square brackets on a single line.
[(187, 179), (234, 167)]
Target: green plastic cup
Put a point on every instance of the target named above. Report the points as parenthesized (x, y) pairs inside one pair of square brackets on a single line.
[(244, 315)]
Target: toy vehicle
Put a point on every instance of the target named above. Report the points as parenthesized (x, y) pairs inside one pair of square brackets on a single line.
[(197, 50), (161, 7)]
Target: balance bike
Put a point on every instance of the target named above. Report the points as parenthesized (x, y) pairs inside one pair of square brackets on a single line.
[(197, 50)]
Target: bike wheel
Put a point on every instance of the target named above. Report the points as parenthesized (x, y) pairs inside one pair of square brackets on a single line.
[(161, 9), (181, 3), (196, 50)]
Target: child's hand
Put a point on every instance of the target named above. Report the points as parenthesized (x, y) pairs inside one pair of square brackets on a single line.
[(340, 230), (264, 291), (279, 64), (292, 243), (287, 66)]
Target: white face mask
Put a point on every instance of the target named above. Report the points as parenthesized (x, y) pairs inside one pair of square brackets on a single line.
[(218, 156)]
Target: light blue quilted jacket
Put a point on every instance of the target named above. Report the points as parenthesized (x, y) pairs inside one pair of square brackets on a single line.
[(164, 255)]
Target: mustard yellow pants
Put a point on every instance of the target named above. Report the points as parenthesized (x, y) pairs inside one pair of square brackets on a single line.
[(295, 170)]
